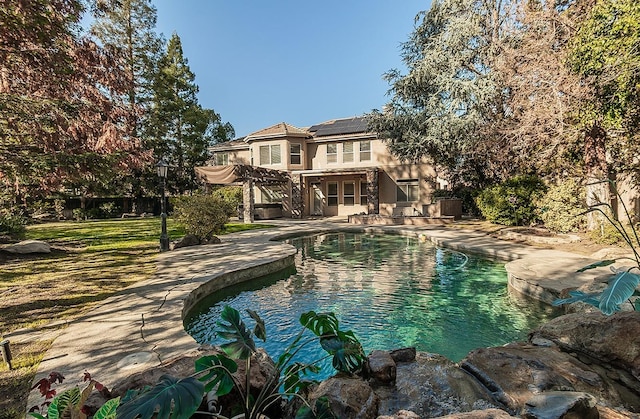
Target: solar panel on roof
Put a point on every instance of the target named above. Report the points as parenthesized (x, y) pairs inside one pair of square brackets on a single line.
[(342, 126)]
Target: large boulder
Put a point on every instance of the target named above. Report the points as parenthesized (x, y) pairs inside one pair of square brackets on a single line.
[(480, 414), (614, 340), (349, 397), (561, 404), (28, 246), (432, 386)]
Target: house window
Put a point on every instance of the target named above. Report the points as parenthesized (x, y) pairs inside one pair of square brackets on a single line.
[(347, 152), (407, 190), (332, 153), (295, 154), (332, 194), (222, 159), (349, 193), (270, 154), (363, 193), (365, 150)]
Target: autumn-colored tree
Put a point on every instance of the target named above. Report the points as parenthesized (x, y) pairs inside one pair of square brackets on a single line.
[(59, 123)]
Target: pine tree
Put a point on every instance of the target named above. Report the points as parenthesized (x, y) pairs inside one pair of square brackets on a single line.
[(184, 129)]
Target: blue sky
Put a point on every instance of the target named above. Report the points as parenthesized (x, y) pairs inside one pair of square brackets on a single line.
[(259, 63)]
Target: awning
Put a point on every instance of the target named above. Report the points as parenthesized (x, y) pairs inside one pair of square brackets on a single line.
[(225, 175), (218, 175)]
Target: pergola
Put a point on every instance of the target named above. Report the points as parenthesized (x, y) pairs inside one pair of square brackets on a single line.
[(248, 175)]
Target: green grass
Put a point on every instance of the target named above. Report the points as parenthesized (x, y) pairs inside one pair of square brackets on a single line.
[(90, 261)]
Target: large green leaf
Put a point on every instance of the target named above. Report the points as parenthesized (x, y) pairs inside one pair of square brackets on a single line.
[(260, 331), (68, 399), (170, 398), (321, 324), (347, 352), (592, 298), (219, 368), (108, 410), (620, 289), (598, 264), (242, 345)]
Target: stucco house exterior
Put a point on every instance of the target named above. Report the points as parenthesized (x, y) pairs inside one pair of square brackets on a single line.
[(337, 167)]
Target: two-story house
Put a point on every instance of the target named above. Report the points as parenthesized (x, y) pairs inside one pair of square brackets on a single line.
[(337, 167)]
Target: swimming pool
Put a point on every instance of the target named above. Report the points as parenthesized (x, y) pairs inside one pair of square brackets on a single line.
[(392, 291)]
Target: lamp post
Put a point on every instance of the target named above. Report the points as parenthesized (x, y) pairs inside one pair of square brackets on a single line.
[(163, 167)]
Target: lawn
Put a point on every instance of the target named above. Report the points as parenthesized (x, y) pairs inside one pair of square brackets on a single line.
[(89, 262)]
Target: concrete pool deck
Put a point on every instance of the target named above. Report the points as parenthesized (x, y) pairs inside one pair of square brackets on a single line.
[(141, 327)]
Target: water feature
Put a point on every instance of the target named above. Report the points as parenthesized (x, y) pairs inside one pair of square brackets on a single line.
[(392, 291)]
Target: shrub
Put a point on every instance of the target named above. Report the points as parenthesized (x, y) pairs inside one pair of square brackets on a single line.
[(512, 202), (12, 225), (202, 215), (561, 208), (58, 207), (108, 210), (232, 195)]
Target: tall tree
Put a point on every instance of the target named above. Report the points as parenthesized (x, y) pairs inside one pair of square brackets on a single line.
[(129, 26), (184, 130), (450, 92), (59, 124)]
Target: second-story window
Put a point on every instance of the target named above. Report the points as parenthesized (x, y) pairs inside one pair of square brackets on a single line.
[(347, 152), (295, 154), (332, 153), (365, 150), (270, 154), (222, 159)]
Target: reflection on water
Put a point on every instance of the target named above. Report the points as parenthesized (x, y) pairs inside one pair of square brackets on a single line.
[(392, 291)]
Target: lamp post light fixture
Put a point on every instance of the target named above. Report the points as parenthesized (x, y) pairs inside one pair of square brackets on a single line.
[(163, 168)]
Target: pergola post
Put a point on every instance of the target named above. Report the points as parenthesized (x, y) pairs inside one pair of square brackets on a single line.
[(297, 203), (373, 192), (247, 200)]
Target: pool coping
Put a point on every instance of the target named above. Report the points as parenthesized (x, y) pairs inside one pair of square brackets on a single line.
[(142, 326)]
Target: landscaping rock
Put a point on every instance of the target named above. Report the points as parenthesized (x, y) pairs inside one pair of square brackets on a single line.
[(214, 240), (432, 386), (402, 414), (561, 404), (382, 367), (612, 339), (480, 414), (28, 246), (404, 354), (349, 398), (186, 241)]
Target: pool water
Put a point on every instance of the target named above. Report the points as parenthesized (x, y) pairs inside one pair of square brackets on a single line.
[(392, 291)]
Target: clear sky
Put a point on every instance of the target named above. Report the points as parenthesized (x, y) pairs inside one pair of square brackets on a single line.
[(302, 62)]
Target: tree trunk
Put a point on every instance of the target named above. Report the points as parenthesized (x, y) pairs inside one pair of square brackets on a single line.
[(597, 174)]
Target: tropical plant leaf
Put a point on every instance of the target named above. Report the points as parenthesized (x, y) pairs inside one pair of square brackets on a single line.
[(108, 410), (321, 410), (620, 289), (241, 345), (592, 299), (170, 398), (260, 331), (597, 265), (68, 399), (347, 352), (219, 369), (320, 324)]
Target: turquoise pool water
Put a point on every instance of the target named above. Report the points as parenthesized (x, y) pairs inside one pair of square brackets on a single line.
[(392, 291)]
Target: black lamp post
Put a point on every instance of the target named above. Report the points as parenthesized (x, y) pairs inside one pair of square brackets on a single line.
[(163, 167)]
